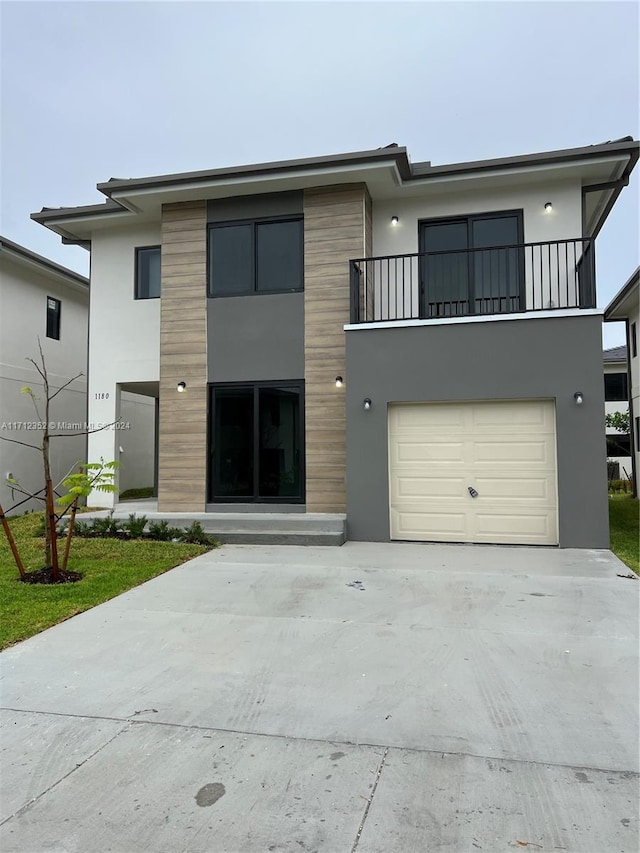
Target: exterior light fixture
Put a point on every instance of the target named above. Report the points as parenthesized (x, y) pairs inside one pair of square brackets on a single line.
[(366, 404), (548, 207), (181, 386), (394, 220), (578, 397), (339, 381)]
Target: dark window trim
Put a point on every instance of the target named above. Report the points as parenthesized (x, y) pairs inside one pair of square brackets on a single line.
[(54, 330), (136, 286), (296, 384), (634, 340), (254, 221), (622, 378), (518, 213)]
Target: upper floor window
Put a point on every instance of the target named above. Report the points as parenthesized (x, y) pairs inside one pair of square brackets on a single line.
[(53, 318), (259, 256), (615, 387), (148, 273), (634, 341)]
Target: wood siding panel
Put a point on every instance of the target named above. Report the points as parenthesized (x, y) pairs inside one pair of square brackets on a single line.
[(182, 469), (335, 230)]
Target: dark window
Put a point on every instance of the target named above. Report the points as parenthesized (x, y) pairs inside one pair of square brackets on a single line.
[(53, 318), (619, 444), (637, 433), (148, 273), (256, 257), (634, 341), (615, 387), (257, 443), (476, 268)]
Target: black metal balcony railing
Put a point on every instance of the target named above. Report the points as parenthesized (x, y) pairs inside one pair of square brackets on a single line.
[(468, 282)]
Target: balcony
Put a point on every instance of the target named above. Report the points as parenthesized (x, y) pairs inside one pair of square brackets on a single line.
[(526, 277)]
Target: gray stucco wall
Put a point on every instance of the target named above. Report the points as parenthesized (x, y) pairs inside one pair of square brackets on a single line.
[(503, 360), (255, 338)]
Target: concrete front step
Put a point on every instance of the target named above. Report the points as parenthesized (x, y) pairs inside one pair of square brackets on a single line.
[(275, 528)]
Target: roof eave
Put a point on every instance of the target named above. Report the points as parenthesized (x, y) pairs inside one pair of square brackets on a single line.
[(623, 294)]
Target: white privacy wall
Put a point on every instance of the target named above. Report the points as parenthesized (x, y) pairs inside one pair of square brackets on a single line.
[(124, 336)]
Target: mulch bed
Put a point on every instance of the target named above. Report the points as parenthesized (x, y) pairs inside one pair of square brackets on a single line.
[(46, 576)]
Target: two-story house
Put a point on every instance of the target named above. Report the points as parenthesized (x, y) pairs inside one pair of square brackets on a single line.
[(45, 304), (417, 346)]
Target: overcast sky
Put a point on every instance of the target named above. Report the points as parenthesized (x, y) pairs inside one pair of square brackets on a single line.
[(93, 90)]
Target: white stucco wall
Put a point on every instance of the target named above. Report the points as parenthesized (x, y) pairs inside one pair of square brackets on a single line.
[(124, 340), (23, 303)]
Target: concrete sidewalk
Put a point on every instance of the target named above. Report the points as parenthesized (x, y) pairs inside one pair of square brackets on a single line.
[(363, 699)]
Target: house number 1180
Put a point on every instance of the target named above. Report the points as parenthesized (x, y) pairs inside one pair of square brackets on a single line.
[(102, 396)]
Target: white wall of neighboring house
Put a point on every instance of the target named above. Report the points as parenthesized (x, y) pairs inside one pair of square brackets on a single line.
[(124, 348), (611, 406), (24, 289)]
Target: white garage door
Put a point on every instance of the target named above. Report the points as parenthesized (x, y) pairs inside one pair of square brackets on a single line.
[(504, 451)]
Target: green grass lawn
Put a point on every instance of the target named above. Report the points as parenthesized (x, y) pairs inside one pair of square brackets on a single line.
[(110, 566), (625, 529)]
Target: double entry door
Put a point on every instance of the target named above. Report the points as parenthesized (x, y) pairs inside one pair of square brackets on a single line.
[(478, 265), (256, 442)]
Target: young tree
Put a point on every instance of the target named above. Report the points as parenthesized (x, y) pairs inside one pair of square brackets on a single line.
[(79, 484)]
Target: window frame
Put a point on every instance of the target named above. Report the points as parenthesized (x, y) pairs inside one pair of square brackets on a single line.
[(470, 252), (297, 385), (622, 377), (633, 334), (53, 332), (136, 287), (255, 222)]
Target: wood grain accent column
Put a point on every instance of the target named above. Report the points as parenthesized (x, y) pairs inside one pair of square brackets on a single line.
[(335, 229), (182, 457)]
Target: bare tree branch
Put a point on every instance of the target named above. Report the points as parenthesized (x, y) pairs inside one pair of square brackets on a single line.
[(66, 384), (23, 443)]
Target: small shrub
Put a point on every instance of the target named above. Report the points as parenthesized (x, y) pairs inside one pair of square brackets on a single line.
[(135, 526), (105, 527), (136, 494), (82, 529), (623, 486), (161, 531), (195, 535)]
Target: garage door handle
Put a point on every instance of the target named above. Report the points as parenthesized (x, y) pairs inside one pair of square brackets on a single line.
[(472, 492)]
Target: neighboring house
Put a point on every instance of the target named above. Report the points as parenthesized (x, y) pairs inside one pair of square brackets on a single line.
[(39, 301), (415, 345), (616, 399), (43, 301), (626, 307)]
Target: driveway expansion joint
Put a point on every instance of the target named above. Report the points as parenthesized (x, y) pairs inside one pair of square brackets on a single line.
[(370, 800), (55, 784), (130, 721)]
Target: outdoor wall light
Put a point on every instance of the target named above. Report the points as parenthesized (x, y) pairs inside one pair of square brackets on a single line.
[(366, 404), (181, 386), (339, 381), (394, 220), (548, 207), (578, 398)]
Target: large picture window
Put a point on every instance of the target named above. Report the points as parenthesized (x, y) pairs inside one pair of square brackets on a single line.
[(259, 256)]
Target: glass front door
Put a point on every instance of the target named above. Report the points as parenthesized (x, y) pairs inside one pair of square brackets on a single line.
[(256, 443)]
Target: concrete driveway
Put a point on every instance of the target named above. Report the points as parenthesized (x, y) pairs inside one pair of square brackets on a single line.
[(367, 699)]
